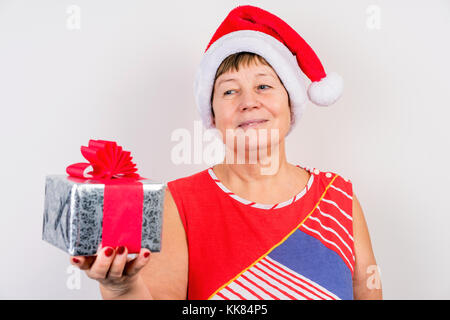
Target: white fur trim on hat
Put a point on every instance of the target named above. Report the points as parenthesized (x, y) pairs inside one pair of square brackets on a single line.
[(276, 54), (327, 90)]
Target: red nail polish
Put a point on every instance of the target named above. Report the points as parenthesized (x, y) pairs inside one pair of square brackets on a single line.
[(146, 254), (75, 260), (109, 252), (121, 250)]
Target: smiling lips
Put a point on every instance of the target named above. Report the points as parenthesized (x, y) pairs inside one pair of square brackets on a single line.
[(251, 123)]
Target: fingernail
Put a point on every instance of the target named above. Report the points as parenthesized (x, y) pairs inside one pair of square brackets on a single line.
[(121, 250), (76, 260), (109, 252), (146, 254)]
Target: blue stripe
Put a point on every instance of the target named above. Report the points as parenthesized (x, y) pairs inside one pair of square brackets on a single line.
[(309, 257)]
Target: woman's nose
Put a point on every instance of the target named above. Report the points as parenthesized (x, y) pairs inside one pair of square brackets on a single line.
[(249, 100)]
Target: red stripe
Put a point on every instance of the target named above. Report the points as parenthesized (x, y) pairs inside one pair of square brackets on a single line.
[(334, 225), (248, 289), (270, 284), (261, 288), (313, 224), (291, 280), (336, 214), (283, 283), (222, 296), (251, 203), (338, 229), (273, 206), (234, 292), (334, 211), (300, 279), (294, 199), (330, 235), (296, 278)]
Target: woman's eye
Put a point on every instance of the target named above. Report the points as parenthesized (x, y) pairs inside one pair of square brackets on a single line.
[(226, 92)]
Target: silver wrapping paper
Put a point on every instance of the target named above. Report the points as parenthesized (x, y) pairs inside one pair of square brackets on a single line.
[(73, 214)]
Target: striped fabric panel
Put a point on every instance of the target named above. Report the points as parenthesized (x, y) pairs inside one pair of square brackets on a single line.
[(271, 280), (332, 225)]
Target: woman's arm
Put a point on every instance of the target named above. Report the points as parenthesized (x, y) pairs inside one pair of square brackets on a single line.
[(366, 276), (166, 274)]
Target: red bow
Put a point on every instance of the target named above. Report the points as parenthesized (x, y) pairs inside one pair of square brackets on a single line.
[(107, 161), (123, 195)]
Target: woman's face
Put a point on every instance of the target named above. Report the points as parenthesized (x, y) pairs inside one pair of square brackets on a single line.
[(253, 93)]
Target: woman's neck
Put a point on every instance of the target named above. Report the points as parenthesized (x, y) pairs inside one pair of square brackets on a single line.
[(268, 168)]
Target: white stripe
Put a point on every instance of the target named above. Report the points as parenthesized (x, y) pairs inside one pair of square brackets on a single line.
[(278, 284), (266, 286), (257, 290), (298, 284), (211, 172), (216, 297), (230, 295), (307, 282), (226, 190), (290, 283), (334, 244), (261, 205), (236, 197), (333, 218), (242, 291), (331, 230), (343, 192), (336, 205)]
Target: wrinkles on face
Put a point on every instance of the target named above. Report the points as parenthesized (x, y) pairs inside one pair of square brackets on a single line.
[(253, 92)]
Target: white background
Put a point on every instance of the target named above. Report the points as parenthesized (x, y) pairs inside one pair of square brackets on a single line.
[(126, 75)]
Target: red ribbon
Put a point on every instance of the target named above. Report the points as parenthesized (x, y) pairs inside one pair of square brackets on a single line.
[(123, 195)]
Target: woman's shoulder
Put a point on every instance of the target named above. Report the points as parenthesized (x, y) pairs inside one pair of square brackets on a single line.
[(335, 179), (323, 172)]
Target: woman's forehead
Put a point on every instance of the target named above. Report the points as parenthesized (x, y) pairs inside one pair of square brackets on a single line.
[(255, 70)]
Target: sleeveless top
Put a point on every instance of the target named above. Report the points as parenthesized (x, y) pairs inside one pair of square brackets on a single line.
[(301, 248)]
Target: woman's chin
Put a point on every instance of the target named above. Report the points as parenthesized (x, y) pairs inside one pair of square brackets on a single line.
[(263, 147), (253, 139)]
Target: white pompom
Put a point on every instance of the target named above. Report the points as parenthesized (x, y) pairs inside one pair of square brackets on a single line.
[(327, 90)]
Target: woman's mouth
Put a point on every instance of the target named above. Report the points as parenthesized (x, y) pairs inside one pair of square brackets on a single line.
[(252, 123)]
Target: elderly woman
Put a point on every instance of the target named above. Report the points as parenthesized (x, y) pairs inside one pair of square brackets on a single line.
[(239, 230)]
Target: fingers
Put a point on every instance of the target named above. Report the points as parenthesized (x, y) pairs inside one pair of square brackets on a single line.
[(134, 266), (99, 269), (118, 263), (111, 264)]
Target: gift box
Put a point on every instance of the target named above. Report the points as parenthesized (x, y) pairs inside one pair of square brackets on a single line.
[(111, 205)]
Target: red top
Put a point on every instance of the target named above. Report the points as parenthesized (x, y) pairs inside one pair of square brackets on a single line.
[(298, 249)]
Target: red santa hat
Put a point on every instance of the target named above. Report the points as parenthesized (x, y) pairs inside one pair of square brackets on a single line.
[(252, 29)]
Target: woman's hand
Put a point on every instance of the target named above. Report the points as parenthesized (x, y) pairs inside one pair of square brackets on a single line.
[(117, 274)]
